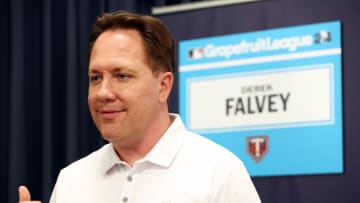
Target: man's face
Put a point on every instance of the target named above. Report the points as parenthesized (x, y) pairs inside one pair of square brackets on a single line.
[(125, 97)]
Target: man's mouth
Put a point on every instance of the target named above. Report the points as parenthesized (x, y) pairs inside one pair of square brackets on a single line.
[(110, 114)]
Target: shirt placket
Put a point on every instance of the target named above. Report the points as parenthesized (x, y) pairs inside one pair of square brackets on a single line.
[(128, 185)]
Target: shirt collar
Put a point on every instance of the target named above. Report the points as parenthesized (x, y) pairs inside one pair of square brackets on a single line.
[(110, 158), (162, 154), (165, 150)]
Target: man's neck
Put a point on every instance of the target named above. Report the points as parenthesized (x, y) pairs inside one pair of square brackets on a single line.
[(138, 150)]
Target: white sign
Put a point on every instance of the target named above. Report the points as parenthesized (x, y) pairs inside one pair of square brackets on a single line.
[(279, 97)]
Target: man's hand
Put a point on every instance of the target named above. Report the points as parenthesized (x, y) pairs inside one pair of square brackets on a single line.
[(24, 195)]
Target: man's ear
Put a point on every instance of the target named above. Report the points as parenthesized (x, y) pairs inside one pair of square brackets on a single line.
[(166, 80)]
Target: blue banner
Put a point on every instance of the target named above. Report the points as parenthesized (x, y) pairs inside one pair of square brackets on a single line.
[(272, 97)]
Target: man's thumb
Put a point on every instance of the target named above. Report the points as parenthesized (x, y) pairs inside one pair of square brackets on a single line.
[(24, 194)]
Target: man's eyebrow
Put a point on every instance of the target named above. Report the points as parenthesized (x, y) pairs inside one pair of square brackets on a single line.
[(118, 69), (114, 70), (93, 71), (122, 69)]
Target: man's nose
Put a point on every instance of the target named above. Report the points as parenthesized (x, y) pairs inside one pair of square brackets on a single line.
[(106, 91)]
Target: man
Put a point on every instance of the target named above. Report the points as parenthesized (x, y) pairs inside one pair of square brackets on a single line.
[(150, 157)]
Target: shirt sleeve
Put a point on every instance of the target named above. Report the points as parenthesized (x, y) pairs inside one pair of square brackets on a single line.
[(232, 184), (53, 193)]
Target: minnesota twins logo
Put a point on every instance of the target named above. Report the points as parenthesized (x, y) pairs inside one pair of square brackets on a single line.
[(257, 147)]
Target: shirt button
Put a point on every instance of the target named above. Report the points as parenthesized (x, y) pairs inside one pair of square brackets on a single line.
[(129, 178), (125, 199)]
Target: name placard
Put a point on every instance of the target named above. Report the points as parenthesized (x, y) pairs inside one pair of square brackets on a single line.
[(272, 97)]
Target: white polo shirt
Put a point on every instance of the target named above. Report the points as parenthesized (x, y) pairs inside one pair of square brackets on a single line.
[(182, 167)]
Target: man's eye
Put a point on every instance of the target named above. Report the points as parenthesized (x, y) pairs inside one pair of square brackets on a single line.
[(94, 78), (123, 76)]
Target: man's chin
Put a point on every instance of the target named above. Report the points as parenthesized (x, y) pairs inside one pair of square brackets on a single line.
[(109, 136), (109, 133)]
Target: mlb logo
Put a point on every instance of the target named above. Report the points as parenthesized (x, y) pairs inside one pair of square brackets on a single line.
[(257, 147), (196, 53)]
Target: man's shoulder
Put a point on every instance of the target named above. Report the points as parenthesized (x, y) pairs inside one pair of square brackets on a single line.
[(91, 160), (208, 149)]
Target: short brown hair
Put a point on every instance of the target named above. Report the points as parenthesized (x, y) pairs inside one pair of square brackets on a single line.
[(158, 41)]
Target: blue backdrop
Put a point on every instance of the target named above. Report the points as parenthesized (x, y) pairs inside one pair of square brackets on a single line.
[(270, 14)]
